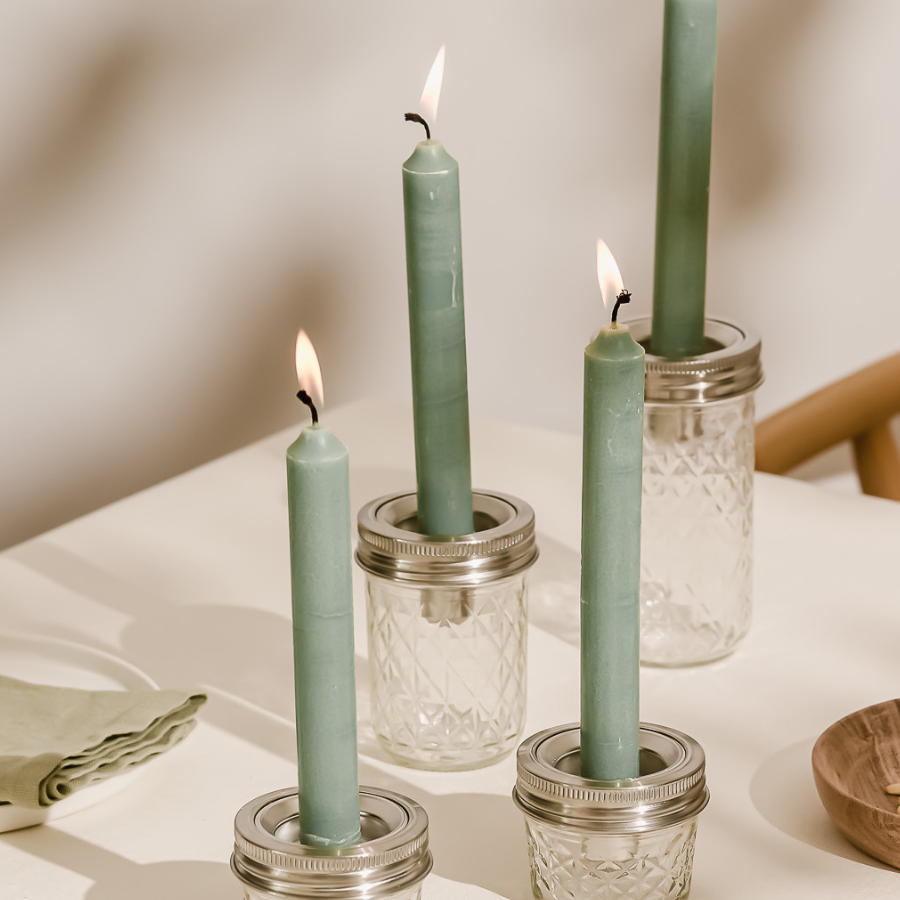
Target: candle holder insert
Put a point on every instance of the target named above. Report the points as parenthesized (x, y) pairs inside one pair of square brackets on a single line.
[(447, 630), (600, 840), (389, 863)]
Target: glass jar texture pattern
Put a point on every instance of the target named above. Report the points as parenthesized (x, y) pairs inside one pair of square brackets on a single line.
[(697, 520), (447, 668), (570, 864)]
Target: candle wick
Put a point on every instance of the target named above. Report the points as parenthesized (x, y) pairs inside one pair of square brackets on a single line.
[(303, 397), (622, 297), (415, 117)]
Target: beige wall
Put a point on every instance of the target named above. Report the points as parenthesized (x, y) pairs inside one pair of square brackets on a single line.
[(183, 184)]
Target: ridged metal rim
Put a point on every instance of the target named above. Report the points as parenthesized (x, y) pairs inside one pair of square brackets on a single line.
[(549, 788), (503, 546), (735, 368), (392, 855)]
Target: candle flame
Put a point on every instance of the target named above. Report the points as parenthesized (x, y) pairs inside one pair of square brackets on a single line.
[(309, 375), (432, 93), (608, 275)]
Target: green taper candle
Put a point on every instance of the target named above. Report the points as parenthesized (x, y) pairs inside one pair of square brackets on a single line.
[(437, 334), (324, 685), (611, 549), (682, 191)]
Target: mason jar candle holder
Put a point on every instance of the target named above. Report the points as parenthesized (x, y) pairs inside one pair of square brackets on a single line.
[(697, 510), (389, 863), (447, 630), (610, 840)]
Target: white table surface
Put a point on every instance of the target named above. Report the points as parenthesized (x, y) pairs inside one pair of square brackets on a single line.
[(189, 581)]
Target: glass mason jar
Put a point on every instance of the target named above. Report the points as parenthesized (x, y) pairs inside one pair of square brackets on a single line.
[(608, 840), (447, 631), (389, 863), (697, 511)]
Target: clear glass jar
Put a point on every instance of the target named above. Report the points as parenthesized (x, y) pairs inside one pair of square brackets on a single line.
[(608, 840), (390, 862), (697, 510), (447, 630), (697, 532), (447, 671), (570, 864)]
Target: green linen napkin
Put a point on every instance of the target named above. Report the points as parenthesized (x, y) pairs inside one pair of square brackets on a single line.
[(54, 740)]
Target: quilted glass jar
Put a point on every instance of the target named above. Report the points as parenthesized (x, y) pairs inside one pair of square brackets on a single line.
[(697, 511), (390, 862), (447, 630), (610, 840)]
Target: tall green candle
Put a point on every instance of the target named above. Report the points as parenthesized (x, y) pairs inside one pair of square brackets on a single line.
[(437, 334), (611, 545), (322, 605), (682, 193)]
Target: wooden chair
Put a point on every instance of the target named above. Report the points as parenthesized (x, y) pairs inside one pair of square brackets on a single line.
[(858, 408)]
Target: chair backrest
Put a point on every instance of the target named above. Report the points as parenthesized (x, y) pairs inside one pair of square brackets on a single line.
[(856, 408)]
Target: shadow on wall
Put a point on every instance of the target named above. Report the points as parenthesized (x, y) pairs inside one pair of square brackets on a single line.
[(214, 411), (173, 343), (752, 160), (173, 340), (48, 169)]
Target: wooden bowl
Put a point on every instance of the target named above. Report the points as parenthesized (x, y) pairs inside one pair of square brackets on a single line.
[(853, 761)]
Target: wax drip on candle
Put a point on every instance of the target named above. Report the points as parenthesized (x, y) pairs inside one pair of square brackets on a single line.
[(303, 397), (415, 117), (622, 297)]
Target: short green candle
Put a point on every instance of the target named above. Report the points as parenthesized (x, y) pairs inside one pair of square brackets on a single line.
[(682, 193), (611, 552), (437, 334), (324, 685)]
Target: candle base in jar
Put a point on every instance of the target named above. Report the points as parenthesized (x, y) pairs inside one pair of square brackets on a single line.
[(446, 608)]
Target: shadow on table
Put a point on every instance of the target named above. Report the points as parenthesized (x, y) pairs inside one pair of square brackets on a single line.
[(243, 658), (784, 793), (246, 652), (554, 591), (475, 838), (118, 878)]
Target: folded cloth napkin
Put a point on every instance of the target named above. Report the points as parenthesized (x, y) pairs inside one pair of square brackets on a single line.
[(56, 740)]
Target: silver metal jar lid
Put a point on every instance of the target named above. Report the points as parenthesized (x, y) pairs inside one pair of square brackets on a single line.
[(670, 789), (729, 367), (392, 855), (502, 545)]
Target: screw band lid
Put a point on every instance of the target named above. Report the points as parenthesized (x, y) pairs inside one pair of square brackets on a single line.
[(502, 545), (392, 854), (731, 365), (670, 788)]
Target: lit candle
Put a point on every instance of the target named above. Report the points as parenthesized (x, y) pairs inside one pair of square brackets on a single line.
[(322, 605), (611, 541), (437, 329), (682, 193)]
